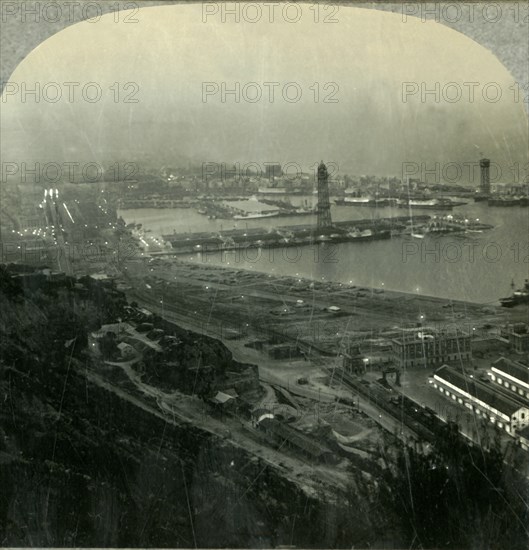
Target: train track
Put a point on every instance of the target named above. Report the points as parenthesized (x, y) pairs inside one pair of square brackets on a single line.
[(418, 419)]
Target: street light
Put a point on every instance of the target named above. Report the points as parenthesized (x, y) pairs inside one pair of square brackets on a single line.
[(365, 360)]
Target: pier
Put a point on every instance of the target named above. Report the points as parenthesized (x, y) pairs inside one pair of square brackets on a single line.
[(297, 235)]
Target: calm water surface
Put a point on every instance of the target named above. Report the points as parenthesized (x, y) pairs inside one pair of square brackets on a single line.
[(477, 267)]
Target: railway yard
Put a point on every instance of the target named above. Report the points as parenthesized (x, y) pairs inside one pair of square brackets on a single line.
[(298, 331)]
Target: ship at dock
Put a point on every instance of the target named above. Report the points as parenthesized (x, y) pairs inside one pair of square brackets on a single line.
[(364, 201), (519, 296), (272, 190), (430, 204), (256, 215), (505, 200), (280, 191), (286, 208)]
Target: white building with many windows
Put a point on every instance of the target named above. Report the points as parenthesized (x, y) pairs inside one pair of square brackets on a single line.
[(484, 399), (511, 375)]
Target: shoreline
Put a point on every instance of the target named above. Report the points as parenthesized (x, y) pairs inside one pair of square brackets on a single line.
[(374, 290), (295, 306)]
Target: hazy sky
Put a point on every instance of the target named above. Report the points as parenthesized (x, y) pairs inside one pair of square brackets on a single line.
[(170, 52)]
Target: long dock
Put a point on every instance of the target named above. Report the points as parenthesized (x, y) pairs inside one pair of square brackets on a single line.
[(296, 235)]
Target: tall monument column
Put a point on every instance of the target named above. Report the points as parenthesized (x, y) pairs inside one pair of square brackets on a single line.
[(484, 186), (324, 207)]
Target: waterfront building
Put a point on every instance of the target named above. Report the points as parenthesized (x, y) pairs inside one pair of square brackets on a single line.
[(482, 398), (431, 348), (511, 375)]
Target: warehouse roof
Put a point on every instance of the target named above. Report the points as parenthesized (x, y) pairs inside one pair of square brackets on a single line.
[(513, 368), (295, 437), (483, 392)]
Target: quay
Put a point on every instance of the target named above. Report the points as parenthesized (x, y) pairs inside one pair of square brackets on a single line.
[(297, 235)]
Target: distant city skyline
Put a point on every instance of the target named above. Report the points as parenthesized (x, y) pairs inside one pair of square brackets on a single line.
[(370, 130)]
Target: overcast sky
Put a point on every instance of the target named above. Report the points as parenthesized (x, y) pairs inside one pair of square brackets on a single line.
[(171, 52)]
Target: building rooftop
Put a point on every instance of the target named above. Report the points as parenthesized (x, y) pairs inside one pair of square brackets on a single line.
[(513, 368), (295, 437), (481, 391), (222, 398)]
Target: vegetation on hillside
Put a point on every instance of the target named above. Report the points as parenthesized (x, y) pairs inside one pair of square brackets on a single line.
[(457, 495)]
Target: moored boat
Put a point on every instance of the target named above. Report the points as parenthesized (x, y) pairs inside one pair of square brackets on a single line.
[(363, 201), (504, 201), (255, 215), (519, 296), (430, 204)]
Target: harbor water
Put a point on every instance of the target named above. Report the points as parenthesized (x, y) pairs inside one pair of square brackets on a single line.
[(475, 266)]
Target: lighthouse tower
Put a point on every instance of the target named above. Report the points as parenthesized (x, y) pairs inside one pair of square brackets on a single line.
[(324, 207)]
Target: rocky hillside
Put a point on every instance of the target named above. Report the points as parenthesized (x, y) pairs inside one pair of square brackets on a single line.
[(81, 466)]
